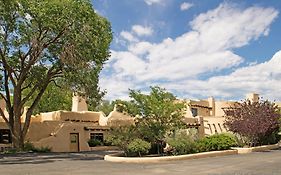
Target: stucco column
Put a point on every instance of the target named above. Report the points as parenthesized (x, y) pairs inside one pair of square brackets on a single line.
[(201, 128)]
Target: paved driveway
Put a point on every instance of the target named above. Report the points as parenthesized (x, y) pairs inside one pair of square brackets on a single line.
[(260, 163)]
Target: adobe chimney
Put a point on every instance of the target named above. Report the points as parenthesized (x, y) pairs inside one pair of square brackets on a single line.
[(79, 104)]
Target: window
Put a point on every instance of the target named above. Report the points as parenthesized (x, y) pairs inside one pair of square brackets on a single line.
[(5, 136), (97, 136), (73, 138), (194, 112)]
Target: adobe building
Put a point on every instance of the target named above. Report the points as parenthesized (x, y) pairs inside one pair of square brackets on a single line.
[(210, 113), (69, 131), (66, 131)]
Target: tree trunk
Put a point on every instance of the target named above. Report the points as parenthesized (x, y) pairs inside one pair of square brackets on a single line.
[(18, 142), (18, 138)]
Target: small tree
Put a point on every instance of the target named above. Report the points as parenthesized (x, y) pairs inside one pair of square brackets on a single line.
[(159, 114), (256, 121), (122, 136), (138, 147)]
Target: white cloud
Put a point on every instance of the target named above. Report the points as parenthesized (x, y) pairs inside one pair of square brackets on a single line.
[(228, 27), (116, 88), (128, 36), (128, 64), (150, 2), (140, 48), (177, 64), (186, 6), (137, 31), (263, 78), (142, 30)]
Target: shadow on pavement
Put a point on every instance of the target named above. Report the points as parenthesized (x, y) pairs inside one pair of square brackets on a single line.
[(41, 158)]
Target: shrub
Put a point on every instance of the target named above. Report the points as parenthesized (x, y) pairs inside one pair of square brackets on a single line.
[(107, 141), (257, 121), (30, 147), (216, 142), (94, 142), (138, 147), (10, 151), (43, 149), (181, 144)]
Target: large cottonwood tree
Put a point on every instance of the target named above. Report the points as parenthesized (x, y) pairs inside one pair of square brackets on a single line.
[(42, 41)]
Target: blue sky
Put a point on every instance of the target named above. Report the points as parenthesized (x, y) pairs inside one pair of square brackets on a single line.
[(193, 48)]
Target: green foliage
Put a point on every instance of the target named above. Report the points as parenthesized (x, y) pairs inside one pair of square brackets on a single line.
[(42, 149), (94, 142), (216, 142), (182, 143), (122, 136), (10, 151), (138, 147), (55, 98), (30, 148), (158, 113), (107, 141), (105, 106)]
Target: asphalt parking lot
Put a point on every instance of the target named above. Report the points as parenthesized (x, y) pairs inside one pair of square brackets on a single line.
[(92, 163)]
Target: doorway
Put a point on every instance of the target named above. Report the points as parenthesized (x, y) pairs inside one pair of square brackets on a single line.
[(74, 142)]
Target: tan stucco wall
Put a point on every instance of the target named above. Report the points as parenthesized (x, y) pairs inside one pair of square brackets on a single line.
[(116, 118), (53, 129), (219, 105), (3, 125), (59, 141), (3, 107), (213, 125), (83, 116), (2, 104), (202, 107), (39, 130)]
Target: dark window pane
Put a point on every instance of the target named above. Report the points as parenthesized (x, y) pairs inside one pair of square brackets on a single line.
[(97, 136), (194, 112)]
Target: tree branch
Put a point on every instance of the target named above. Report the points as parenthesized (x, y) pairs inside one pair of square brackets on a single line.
[(3, 56), (2, 95), (7, 90), (7, 67), (26, 98), (25, 87), (57, 37), (50, 74), (31, 108)]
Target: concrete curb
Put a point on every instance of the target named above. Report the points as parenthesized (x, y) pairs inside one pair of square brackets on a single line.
[(117, 158), (256, 149)]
